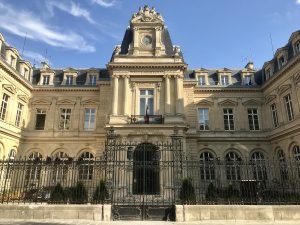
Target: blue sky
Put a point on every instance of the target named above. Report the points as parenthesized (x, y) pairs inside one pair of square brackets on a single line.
[(211, 33)]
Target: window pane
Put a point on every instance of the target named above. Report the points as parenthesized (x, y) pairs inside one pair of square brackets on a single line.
[(142, 106)]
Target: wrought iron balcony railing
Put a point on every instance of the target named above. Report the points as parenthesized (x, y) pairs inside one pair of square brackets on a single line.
[(146, 119)]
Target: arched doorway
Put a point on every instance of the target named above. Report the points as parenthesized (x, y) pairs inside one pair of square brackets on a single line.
[(146, 169)]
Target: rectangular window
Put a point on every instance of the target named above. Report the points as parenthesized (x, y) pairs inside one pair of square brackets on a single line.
[(224, 80), (65, 119), (289, 107), (146, 102), (40, 119), (92, 79), (69, 80), (274, 115), (203, 118), (200, 80), (297, 46), (12, 61), (268, 73), (4, 106), (46, 79), (26, 72), (253, 119), (248, 80), (228, 119), (282, 60), (19, 114), (89, 118)]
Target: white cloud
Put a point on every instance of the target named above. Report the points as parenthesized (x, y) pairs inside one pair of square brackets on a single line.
[(20, 22), (71, 8), (35, 57), (105, 3)]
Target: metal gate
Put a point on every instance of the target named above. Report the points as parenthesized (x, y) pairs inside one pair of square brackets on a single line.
[(143, 178)]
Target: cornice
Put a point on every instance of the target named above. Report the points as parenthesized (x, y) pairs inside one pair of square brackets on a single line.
[(222, 89), (146, 65), (60, 89)]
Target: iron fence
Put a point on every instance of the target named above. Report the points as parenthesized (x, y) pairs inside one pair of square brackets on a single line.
[(135, 176)]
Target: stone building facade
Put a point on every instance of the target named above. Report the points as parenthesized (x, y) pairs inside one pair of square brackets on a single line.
[(145, 92)]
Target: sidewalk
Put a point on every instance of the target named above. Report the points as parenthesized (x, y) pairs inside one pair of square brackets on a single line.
[(88, 222)]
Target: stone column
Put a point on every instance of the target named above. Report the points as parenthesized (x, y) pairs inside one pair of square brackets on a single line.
[(167, 95), (126, 94), (115, 94), (179, 99)]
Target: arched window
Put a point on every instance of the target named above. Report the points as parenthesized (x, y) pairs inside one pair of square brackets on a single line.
[(296, 152), (259, 166), (60, 167), (233, 166), (12, 154), (33, 169), (207, 166), (9, 166), (86, 167), (282, 165)]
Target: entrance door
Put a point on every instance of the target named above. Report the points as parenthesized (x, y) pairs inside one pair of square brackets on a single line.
[(146, 170), (142, 178)]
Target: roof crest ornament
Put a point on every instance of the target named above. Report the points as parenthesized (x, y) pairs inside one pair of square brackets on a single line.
[(146, 14)]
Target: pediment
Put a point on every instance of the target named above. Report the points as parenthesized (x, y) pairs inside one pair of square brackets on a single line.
[(224, 70), (89, 102), (204, 103), (228, 102), (2, 38), (66, 102), (146, 14), (270, 98), (41, 102), (10, 88), (283, 88), (297, 78), (294, 35), (47, 70), (23, 98), (27, 63), (14, 50), (280, 50), (252, 102)]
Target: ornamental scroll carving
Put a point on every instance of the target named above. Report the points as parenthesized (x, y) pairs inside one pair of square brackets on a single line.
[(146, 14)]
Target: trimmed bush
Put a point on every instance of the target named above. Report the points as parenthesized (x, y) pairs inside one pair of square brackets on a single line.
[(78, 194), (58, 194), (100, 193), (187, 192)]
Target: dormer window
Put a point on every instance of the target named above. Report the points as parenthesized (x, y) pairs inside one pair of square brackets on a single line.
[(92, 80), (268, 73), (25, 72), (247, 80), (224, 80), (297, 46), (69, 80), (46, 79), (12, 61), (201, 80), (282, 60)]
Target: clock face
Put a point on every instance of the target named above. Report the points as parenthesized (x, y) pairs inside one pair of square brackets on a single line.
[(147, 40)]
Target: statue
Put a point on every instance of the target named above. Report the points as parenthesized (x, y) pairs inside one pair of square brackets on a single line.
[(117, 50), (177, 50)]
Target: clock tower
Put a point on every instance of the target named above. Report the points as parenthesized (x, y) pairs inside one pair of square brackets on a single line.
[(147, 28)]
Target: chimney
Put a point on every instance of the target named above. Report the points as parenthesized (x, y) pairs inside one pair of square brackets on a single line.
[(45, 65), (250, 66)]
